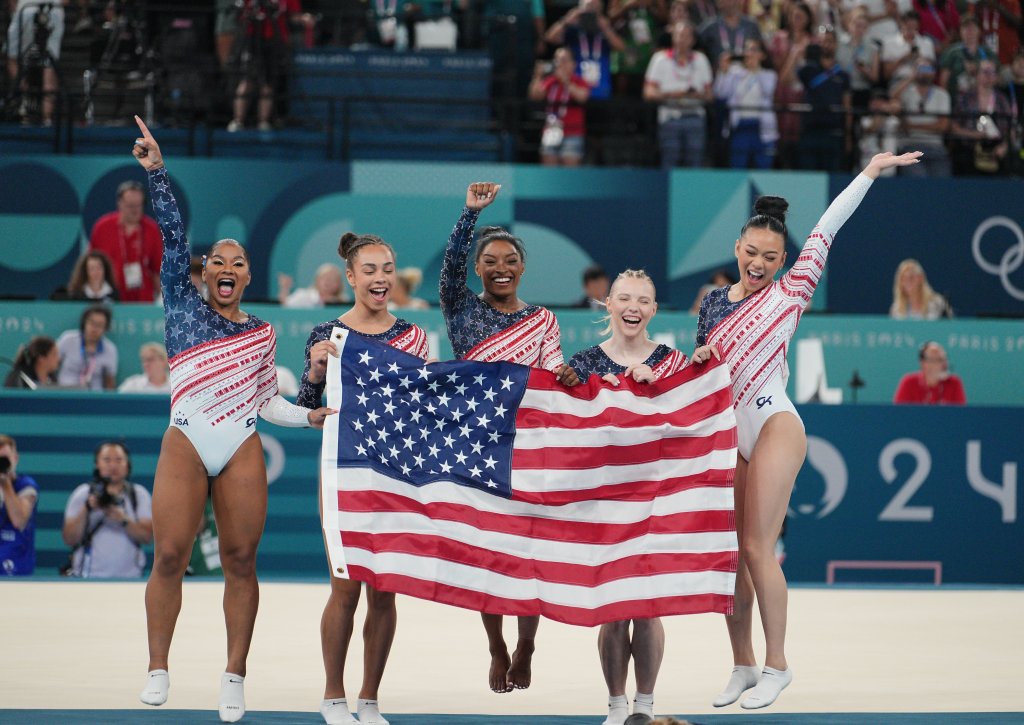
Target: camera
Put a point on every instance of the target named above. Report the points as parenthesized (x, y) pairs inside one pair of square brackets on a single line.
[(104, 498), (588, 22), (5, 465)]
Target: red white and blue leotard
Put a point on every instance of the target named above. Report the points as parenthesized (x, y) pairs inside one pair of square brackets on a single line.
[(222, 372), (477, 331), (753, 334)]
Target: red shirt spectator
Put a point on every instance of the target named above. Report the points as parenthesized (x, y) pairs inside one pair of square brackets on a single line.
[(999, 21), (933, 384), (939, 20), (560, 103), (133, 244)]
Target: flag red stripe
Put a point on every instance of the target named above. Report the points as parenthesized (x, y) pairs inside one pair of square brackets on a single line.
[(582, 532), (631, 491), (482, 602), (576, 458), (447, 549)]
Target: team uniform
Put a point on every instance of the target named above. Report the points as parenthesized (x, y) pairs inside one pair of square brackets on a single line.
[(403, 336), (753, 334), (222, 372), (477, 331), (595, 361)]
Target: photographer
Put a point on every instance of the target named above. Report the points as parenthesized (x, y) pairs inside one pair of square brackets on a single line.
[(18, 496), (108, 519), (565, 119), (33, 41)]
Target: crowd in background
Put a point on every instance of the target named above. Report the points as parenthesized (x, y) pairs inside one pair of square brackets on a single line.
[(743, 83)]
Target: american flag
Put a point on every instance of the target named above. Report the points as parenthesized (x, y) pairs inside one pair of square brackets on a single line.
[(493, 487)]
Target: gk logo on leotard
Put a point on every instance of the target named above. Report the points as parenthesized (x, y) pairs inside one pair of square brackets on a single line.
[(763, 401), (250, 422)]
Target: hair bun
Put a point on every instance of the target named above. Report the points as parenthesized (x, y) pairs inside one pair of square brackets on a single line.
[(488, 231), (773, 206), (345, 244)]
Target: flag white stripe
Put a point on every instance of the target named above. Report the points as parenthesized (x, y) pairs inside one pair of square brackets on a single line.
[(704, 498), (330, 516), (569, 595), (571, 480), (534, 438), (553, 551)]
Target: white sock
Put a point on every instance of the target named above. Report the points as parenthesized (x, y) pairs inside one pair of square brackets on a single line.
[(369, 713), (772, 683), (743, 677), (231, 705), (158, 682), (618, 710), (644, 703), (336, 712)]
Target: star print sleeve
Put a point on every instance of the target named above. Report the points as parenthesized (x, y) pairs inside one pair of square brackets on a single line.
[(310, 395), (454, 291), (175, 278), (801, 280)]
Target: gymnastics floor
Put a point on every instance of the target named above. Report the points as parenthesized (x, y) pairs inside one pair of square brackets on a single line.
[(75, 652)]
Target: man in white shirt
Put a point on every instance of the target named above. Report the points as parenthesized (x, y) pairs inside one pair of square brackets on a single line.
[(901, 51)]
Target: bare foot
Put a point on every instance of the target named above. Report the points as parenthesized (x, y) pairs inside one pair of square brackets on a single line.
[(519, 673), (497, 677)]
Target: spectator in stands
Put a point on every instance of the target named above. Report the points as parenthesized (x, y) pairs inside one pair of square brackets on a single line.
[(264, 59), (564, 94), (825, 129), (939, 20), (18, 497), (30, 19), (925, 122), (718, 279), (933, 384), (1012, 80), (728, 31), (326, 289), (749, 90), (959, 62), (697, 12), (679, 81), (88, 359), (226, 30), (859, 58), (883, 17), (788, 53), (912, 296), (132, 243), (1000, 22), (981, 126), (35, 365), (91, 279), (108, 520), (595, 288), (409, 279), (637, 22), (155, 375), (902, 50), (880, 127), (586, 31)]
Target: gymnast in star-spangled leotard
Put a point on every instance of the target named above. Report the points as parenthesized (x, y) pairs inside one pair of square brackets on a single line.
[(222, 377), (498, 326), (751, 324), (630, 353), (370, 271)]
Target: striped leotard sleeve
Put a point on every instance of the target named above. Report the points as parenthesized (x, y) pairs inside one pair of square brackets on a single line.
[(551, 346), (802, 278)]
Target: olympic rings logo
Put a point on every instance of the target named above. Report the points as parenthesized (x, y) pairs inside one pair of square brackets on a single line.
[(1012, 258)]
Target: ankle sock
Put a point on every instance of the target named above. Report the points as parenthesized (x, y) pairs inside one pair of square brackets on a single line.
[(771, 684), (618, 710), (158, 682), (743, 677), (335, 711), (644, 703), (369, 712), (231, 705)]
